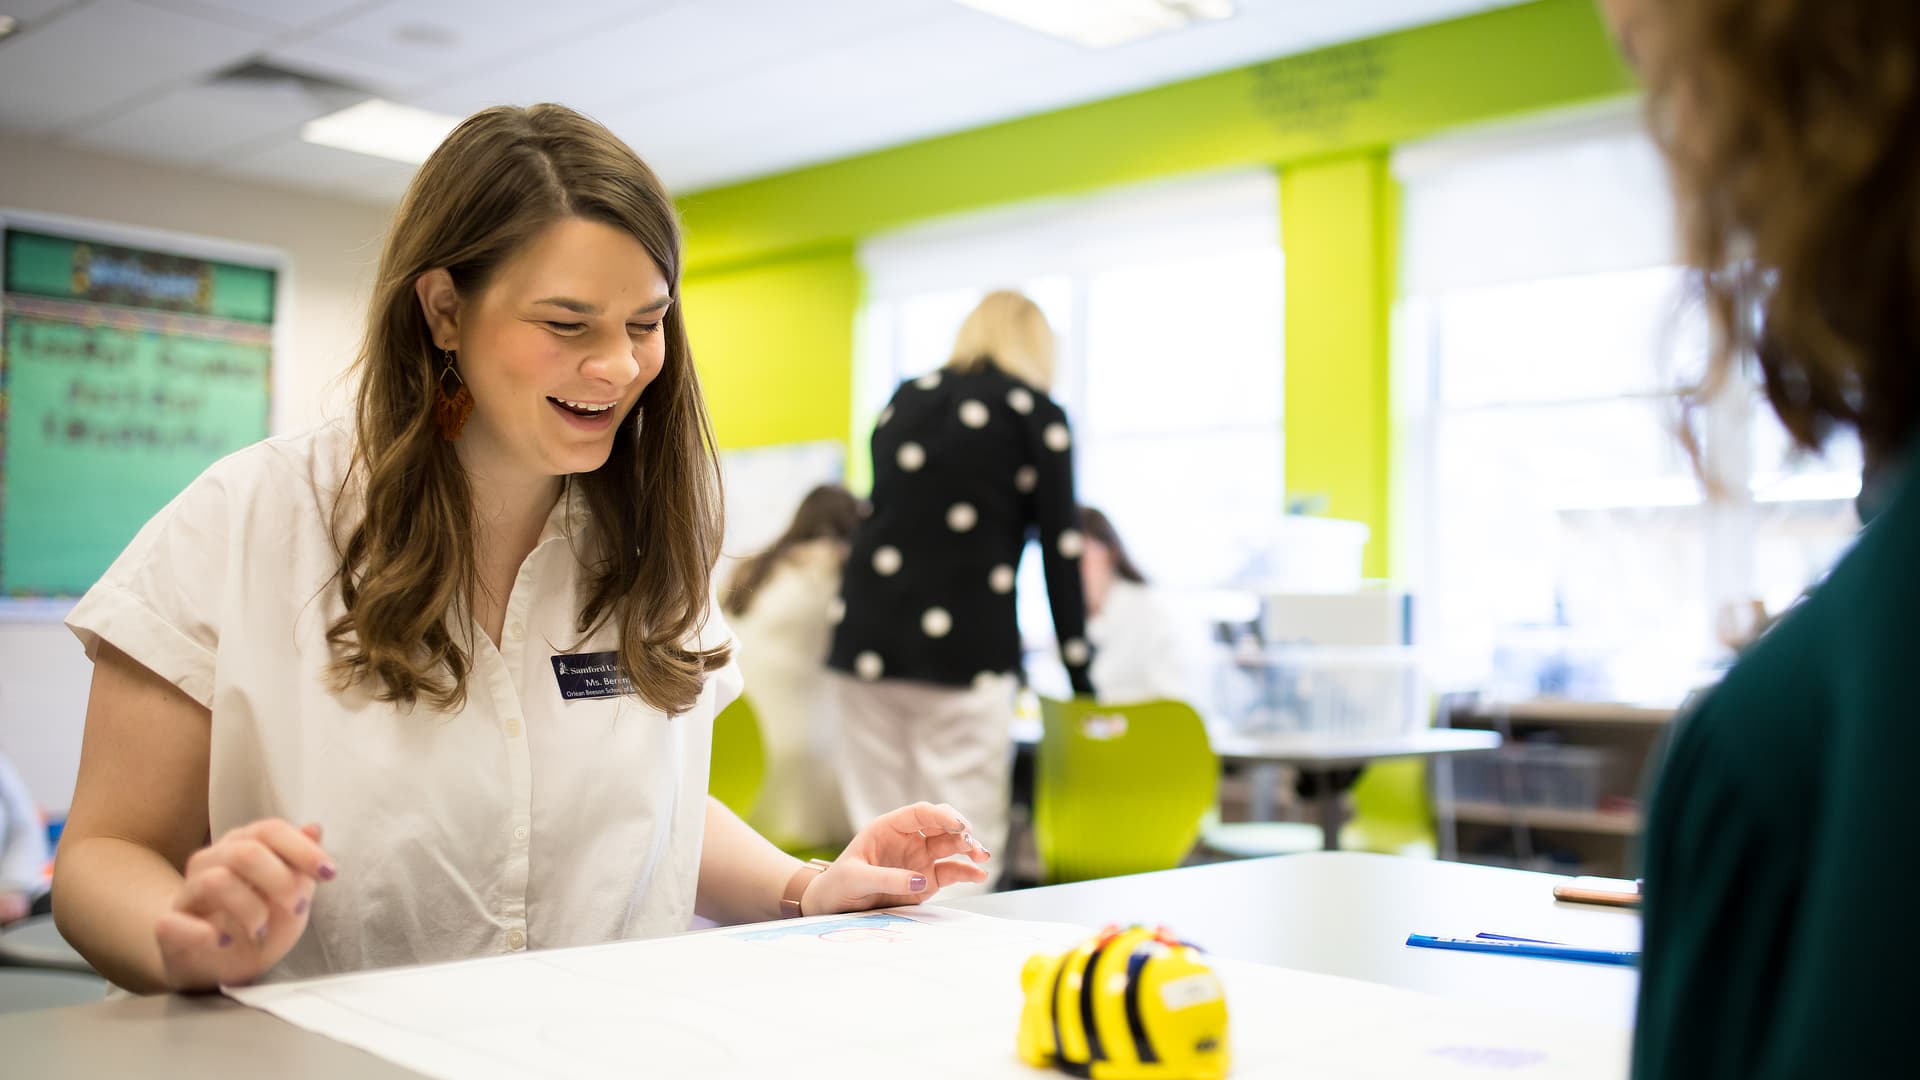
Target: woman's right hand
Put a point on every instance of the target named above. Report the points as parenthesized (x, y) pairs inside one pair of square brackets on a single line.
[(244, 903)]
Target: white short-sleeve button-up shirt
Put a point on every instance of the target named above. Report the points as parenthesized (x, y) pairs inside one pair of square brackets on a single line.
[(523, 820)]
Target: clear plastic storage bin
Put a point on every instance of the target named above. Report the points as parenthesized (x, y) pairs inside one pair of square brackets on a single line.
[(1534, 774), (1358, 691)]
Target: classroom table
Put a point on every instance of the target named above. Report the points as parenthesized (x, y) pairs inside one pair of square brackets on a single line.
[(1337, 913), (1349, 913), (1323, 756)]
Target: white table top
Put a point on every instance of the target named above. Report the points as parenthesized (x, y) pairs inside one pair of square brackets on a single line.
[(1321, 750), (1335, 913), (1335, 751), (1345, 913)]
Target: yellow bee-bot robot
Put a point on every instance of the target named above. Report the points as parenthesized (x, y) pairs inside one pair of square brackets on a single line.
[(1133, 1004)]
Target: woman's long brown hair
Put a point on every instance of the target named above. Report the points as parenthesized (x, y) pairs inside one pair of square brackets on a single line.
[(1792, 128), (828, 512), (407, 569), (1099, 527)]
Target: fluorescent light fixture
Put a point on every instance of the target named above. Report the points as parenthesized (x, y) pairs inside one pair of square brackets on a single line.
[(1101, 24), (382, 129)]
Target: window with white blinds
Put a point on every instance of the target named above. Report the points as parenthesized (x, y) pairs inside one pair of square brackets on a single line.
[(1555, 530)]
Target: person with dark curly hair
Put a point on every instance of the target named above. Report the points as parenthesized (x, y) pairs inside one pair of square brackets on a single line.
[(1777, 887)]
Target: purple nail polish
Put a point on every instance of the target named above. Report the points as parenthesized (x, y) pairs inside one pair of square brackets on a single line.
[(917, 884), (301, 907), (226, 940), (260, 935), (327, 872)]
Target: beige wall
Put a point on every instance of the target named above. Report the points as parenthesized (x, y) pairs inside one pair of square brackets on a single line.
[(331, 247)]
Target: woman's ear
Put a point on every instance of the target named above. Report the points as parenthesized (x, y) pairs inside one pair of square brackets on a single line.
[(440, 303)]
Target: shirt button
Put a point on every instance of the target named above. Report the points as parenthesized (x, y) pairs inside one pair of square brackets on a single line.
[(519, 832), (516, 940), (517, 631), (513, 728)]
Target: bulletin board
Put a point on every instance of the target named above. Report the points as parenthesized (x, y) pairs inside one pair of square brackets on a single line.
[(129, 362)]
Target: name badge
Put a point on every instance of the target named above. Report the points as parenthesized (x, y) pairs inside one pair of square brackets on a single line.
[(590, 675)]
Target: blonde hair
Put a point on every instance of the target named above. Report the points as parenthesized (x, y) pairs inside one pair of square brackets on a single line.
[(1008, 331)]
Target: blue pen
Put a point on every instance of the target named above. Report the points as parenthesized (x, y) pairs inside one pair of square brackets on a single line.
[(1525, 947)]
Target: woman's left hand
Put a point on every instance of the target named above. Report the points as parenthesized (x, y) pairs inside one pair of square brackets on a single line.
[(904, 857)]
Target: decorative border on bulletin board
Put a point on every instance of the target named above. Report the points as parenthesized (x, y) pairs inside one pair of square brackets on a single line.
[(139, 280)]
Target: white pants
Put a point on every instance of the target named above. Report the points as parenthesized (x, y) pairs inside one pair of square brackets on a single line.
[(903, 742)]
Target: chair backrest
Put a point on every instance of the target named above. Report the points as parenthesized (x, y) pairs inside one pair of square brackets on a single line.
[(1120, 789), (1391, 812), (739, 764)]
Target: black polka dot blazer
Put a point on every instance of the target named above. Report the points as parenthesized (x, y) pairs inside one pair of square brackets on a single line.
[(966, 466)]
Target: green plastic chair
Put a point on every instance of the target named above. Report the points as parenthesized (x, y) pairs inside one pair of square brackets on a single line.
[(1120, 789), (1391, 816), (1391, 812), (739, 764), (1259, 839)]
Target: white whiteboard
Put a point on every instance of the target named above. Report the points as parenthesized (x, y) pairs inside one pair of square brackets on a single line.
[(764, 485)]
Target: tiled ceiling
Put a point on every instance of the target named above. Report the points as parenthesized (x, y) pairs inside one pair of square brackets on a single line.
[(709, 91)]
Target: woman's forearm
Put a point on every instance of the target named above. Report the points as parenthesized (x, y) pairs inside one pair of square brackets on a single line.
[(741, 872), (109, 893)]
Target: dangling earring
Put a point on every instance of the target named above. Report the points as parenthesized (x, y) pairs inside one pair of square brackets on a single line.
[(452, 407)]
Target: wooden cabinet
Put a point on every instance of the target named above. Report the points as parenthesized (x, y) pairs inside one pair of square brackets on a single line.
[(1563, 794)]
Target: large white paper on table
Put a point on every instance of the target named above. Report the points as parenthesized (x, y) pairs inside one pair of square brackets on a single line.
[(927, 992)]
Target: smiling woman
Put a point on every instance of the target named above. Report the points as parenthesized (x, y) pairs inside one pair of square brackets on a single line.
[(470, 632)]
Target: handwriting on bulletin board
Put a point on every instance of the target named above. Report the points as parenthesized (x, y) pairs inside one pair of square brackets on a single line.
[(1315, 93), (125, 371)]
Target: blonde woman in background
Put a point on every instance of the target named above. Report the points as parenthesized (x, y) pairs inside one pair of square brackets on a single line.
[(968, 461), (778, 603)]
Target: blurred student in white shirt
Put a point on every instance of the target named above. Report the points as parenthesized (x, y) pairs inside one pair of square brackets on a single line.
[(1143, 649), (780, 605), (23, 847)]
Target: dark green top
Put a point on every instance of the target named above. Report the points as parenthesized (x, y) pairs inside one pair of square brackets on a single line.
[(1782, 878)]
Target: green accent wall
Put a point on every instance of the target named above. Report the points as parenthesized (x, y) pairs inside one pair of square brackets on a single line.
[(1335, 216), (769, 249), (773, 343)]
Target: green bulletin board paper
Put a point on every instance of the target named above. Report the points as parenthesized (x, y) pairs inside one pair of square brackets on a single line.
[(119, 390)]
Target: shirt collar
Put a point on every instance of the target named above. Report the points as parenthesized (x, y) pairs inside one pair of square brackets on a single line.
[(568, 518)]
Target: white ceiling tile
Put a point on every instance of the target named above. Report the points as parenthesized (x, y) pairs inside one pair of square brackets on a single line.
[(683, 46), (866, 78), (106, 54), (200, 123), (709, 91), (273, 16), (400, 47), (811, 111)]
